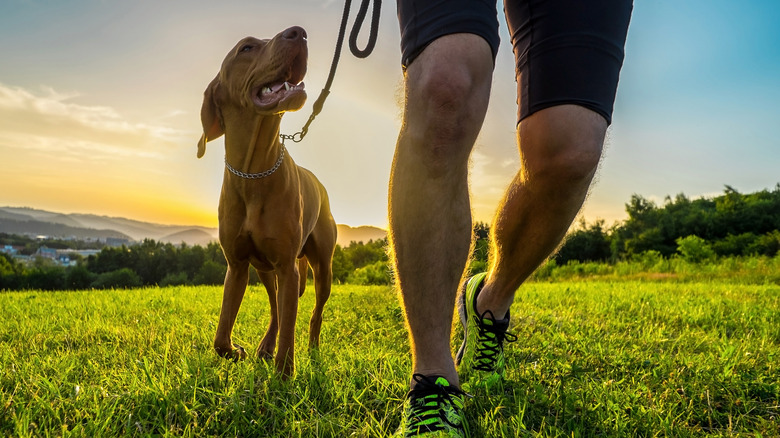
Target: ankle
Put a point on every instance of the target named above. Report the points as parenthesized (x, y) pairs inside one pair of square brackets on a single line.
[(450, 375), (487, 300)]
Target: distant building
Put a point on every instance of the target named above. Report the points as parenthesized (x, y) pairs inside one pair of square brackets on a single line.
[(115, 241), (47, 253), (10, 250)]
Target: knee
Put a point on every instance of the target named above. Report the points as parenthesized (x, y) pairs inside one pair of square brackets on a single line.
[(445, 108), (563, 150), (570, 160)]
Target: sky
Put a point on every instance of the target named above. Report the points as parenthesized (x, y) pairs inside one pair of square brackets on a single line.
[(100, 104)]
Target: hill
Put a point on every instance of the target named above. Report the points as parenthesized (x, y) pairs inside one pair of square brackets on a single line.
[(349, 234), (30, 221)]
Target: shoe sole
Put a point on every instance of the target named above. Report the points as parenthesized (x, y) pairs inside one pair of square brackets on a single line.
[(462, 312)]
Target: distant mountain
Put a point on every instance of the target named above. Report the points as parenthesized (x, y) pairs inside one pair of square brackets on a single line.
[(24, 220), (363, 234), (53, 229), (191, 237)]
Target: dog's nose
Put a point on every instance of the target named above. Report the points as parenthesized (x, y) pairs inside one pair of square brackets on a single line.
[(294, 33)]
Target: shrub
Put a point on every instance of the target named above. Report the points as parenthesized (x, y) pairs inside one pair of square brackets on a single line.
[(377, 273), (124, 278), (694, 249), (174, 279), (211, 273), (78, 278), (648, 259), (47, 278)]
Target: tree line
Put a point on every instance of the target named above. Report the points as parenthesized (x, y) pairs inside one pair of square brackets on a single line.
[(732, 224), (700, 230), (151, 263)]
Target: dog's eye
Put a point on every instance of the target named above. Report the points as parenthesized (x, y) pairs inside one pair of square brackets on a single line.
[(246, 48)]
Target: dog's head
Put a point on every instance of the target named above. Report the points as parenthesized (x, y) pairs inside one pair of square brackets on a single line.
[(263, 76)]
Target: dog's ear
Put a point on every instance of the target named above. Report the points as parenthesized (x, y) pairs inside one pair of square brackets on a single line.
[(210, 117)]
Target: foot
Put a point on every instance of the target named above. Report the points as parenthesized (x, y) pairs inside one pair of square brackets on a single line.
[(235, 354), (433, 408), (481, 356)]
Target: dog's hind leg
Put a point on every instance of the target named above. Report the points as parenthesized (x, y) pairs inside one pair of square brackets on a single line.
[(303, 273), (267, 346), (287, 303), (323, 275), (319, 250), (235, 286)]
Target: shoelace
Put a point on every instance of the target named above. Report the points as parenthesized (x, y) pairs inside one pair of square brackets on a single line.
[(427, 402), (490, 342)]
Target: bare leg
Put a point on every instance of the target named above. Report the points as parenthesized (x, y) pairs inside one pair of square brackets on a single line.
[(447, 91), (560, 148)]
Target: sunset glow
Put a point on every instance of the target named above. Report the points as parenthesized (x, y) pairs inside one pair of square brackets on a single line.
[(100, 101)]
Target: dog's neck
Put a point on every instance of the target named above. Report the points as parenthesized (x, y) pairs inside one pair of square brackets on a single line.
[(253, 148)]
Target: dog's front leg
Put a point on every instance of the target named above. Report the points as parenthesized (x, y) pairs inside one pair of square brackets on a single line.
[(287, 302), (267, 346), (235, 286)]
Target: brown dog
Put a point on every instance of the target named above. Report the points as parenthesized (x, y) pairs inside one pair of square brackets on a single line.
[(271, 212)]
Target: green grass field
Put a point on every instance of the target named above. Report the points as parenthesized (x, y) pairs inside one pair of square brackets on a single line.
[(594, 358)]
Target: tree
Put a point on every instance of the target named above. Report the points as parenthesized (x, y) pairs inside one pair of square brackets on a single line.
[(342, 265), (588, 243), (210, 273)]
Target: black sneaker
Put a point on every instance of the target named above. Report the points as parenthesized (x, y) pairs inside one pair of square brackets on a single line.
[(434, 408)]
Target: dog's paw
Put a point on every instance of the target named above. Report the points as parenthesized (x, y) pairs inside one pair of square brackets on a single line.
[(238, 353), (264, 355), (235, 353)]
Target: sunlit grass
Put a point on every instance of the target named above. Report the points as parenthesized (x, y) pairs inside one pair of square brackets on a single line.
[(599, 358)]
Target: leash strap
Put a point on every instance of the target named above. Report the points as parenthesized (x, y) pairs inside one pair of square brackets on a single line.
[(357, 52)]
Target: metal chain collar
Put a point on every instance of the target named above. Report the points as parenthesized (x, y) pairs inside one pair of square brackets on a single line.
[(260, 174)]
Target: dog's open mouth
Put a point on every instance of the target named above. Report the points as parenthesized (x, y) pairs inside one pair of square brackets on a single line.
[(268, 96)]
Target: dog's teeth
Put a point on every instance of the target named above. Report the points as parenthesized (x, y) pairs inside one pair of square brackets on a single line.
[(265, 90), (287, 86)]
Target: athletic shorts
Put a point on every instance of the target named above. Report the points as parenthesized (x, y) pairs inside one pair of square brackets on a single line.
[(566, 51)]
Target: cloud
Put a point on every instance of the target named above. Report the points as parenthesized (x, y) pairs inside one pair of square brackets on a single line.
[(50, 119)]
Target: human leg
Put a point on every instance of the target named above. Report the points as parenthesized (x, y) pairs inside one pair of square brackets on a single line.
[(447, 91), (568, 55), (560, 151)]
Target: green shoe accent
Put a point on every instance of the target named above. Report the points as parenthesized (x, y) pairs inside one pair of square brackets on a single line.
[(434, 408), (481, 356)]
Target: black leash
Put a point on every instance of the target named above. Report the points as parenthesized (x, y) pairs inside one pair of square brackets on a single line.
[(353, 36)]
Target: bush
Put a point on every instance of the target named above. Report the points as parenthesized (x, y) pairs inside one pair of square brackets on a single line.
[(768, 245), (648, 259), (124, 278), (49, 278), (174, 279), (694, 249), (78, 278), (377, 273), (211, 273), (734, 245)]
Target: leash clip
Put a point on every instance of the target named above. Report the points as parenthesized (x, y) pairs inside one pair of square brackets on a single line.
[(297, 137), (361, 15)]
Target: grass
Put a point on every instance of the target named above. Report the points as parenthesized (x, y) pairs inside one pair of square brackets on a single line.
[(594, 358)]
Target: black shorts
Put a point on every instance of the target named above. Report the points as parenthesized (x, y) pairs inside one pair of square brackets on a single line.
[(566, 51)]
